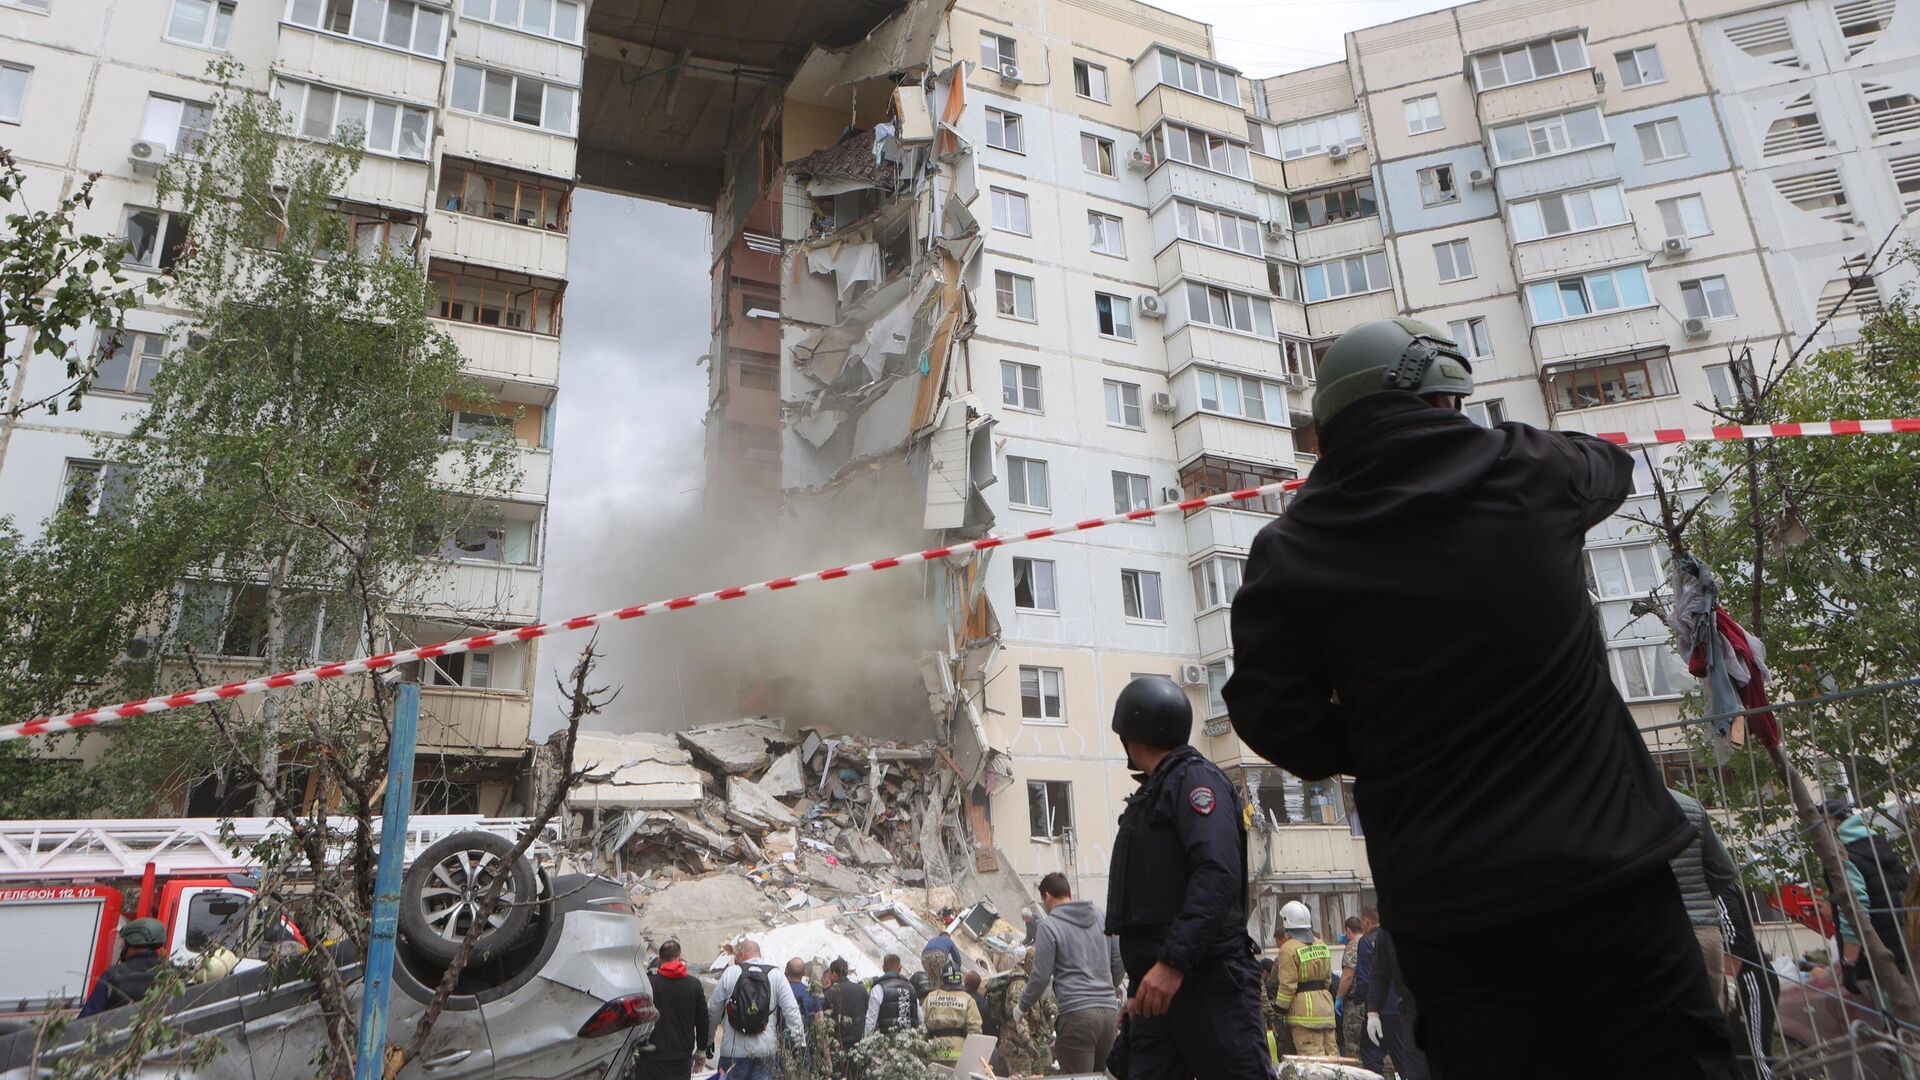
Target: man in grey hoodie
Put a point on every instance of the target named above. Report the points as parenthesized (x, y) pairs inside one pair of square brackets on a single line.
[(1073, 952)]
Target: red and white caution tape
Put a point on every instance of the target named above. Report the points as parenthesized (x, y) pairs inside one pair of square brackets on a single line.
[(108, 713), (1735, 432)]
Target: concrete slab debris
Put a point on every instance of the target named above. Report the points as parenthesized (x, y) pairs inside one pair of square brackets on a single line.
[(753, 808), (736, 747), (634, 773), (785, 778)]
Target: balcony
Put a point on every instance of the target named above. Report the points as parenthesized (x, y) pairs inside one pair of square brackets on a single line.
[(1556, 94), (511, 50), (503, 143), (1333, 241), (1173, 178), (1224, 528), (1338, 316), (355, 65), (1308, 853), (1582, 168), (1318, 169), (1269, 172), (1599, 335), (1171, 103), (1185, 259), (1205, 434), (1215, 631), (386, 181), (505, 354), (534, 465), (526, 248), (1580, 251), (1193, 343), (486, 722)]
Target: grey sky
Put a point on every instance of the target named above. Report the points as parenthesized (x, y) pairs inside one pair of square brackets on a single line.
[(629, 437)]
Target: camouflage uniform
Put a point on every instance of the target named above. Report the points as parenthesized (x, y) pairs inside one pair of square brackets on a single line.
[(1026, 1039)]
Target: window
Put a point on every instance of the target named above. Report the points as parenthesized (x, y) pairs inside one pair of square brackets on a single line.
[(13, 91), (1010, 212), (1728, 388), (1436, 186), (1684, 215), (1199, 77), (1297, 357), (1649, 671), (1892, 113), (1454, 260), (468, 426), (1264, 138), (1114, 315), (549, 18), (1217, 674), (1033, 585), (1013, 295), (1707, 298), (1003, 131), (1027, 483), (516, 99), (488, 297), (1140, 595), (1096, 154), (1020, 385), (1346, 277), (1131, 492), (998, 51), (96, 488), (317, 112), (509, 542), (1206, 150), (1123, 404), (1861, 22), (473, 670), (1609, 380), (399, 24), (1090, 80), (1215, 580), (154, 238), (1660, 141), (1471, 335), (130, 364), (1486, 413), (1588, 294), (1217, 227), (1040, 697), (1798, 130), (1820, 193), (1244, 397), (1906, 177), (1640, 67), (1770, 40), (1348, 202), (1548, 135), (1229, 310), (1050, 808), (492, 192), (1209, 475), (1568, 212), (175, 124), (1283, 280), (1105, 235), (1537, 60), (1423, 114), (1310, 137), (203, 23)]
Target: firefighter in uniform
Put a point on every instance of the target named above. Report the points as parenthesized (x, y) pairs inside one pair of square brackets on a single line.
[(1177, 900), (1303, 990), (951, 1015)]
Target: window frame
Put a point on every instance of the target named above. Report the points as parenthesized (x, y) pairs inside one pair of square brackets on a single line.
[(1010, 198), (1476, 335), (1255, 303), (142, 365), (1631, 56), (1110, 226), (479, 107), (25, 71), (1019, 387), (1243, 228), (178, 140), (548, 294), (99, 476), (1115, 394), (1026, 465), (1699, 287), (1294, 146), (1123, 499), (1563, 384), (1534, 212), (1246, 388), (1040, 673), (1161, 142), (1525, 49), (1438, 121), (1661, 206), (1006, 50), (445, 15), (1447, 259), (1103, 150), (1043, 584), (1359, 194), (997, 119), (1119, 315), (1444, 194), (1211, 577), (1105, 97), (1366, 261), (401, 110), (163, 261), (1180, 63), (1013, 291), (1587, 294), (1053, 795), (1534, 127), (1658, 128), (519, 26), (453, 198), (1142, 591), (1492, 411), (218, 33)]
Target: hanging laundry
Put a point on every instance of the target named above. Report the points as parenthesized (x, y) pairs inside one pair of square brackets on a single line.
[(1729, 661)]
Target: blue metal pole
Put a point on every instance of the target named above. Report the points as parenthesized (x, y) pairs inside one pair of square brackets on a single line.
[(370, 1062)]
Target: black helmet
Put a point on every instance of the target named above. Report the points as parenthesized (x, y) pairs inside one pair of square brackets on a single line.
[(953, 978), (1153, 710)]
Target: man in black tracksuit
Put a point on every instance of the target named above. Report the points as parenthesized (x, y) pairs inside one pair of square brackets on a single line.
[(684, 1029), (1419, 619)]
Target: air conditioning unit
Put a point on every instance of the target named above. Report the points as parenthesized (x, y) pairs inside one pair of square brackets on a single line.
[(1599, 81), (1296, 380), (1139, 161), (1694, 326), (1172, 494), (1193, 674), (147, 156), (1163, 402), (1675, 245), (1479, 178), (1337, 152), (1150, 307), (1275, 230), (1010, 74)]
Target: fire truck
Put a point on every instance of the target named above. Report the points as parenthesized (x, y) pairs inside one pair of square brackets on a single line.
[(66, 887)]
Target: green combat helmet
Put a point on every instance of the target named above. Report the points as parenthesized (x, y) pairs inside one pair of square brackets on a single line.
[(144, 933), (1389, 354)]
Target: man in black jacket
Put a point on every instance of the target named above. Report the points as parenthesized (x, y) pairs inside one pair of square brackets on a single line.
[(845, 1002), (144, 951), (683, 1029), (1419, 619)]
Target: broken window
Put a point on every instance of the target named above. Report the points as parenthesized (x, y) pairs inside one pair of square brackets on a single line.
[(1096, 154), (1707, 298), (1040, 695), (514, 98), (488, 297), (1027, 483), (96, 488), (1013, 295), (130, 364), (490, 191), (155, 238), (1346, 202), (1114, 315), (1131, 492), (1050, 809), (1488, 413), (1105, 234), (218, 618), (1609, 380), (1436, 186), (1140, 595), (1213, 475), (201, 23), (1123, 404), (1010, 212), (467, 425), (176, 124), (1003, 131), (1090, 80), (1020, 385), (469, 669), (1215, 580), (1033, 585)]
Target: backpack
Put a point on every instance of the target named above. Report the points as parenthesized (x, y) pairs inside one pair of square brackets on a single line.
[(751, 1004), (1003, 996)]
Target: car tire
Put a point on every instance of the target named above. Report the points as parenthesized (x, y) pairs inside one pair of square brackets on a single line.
[(443, 889)]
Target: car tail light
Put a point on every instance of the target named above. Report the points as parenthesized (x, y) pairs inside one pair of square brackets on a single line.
[(619, 1015)]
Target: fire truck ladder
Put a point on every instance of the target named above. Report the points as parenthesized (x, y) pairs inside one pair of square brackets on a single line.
[(124, 847)]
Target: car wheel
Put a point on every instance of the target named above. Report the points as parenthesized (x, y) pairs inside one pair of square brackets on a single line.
[(444, 887)]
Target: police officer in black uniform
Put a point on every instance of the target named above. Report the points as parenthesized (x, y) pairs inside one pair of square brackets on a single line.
[(1177, 900)]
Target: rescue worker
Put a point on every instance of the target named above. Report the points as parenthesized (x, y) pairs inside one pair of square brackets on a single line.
[(1176, 898), (893, 1003), (951, 1015), (1419, 620), (1303, 984), (144, 942)]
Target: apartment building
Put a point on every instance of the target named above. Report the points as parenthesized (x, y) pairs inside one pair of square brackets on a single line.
[(470, 121)]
